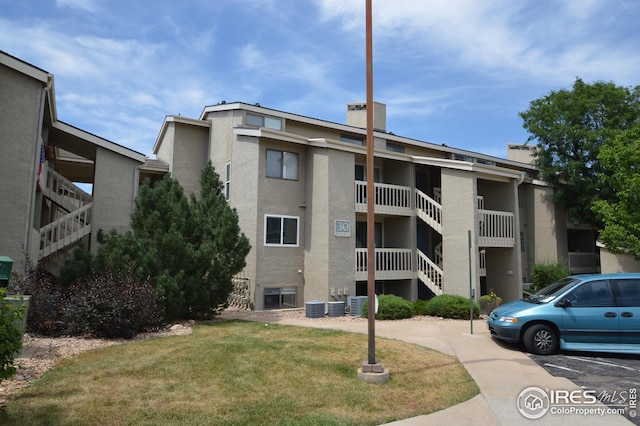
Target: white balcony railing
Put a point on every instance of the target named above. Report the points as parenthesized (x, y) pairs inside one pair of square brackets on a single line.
[(389, 199), (430, 274), (65, 230), (391, 264), (496, 229), (65, 193), (583, 263), (429, 210)]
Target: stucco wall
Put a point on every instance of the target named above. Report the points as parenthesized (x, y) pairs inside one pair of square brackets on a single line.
[(279, 266), (190, 155), (459, 216), (112, 193), (613, 263), (550, 230), (20, 103)]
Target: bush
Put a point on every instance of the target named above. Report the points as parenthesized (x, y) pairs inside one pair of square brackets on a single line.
[(45, 307), (391, 307), (544, 274), (112, 307), (420, 307), (10, 335), (451, 306)]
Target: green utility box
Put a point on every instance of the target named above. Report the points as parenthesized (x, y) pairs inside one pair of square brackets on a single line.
[(6, 264)]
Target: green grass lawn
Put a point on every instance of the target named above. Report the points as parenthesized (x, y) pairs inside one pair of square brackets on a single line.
[(243, 373)]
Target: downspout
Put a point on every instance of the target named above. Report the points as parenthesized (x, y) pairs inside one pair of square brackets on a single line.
[(34, 191)]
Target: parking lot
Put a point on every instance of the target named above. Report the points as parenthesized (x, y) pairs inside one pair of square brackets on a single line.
[(614, 378)]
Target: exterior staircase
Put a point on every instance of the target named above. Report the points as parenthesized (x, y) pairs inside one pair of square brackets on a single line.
[(72, 209), (430, 271)]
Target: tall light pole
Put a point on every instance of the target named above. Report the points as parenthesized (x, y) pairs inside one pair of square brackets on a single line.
[(372, 370)]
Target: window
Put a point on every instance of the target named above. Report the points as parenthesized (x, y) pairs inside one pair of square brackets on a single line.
[(361, 173), (395, 147), (591, 294), (281, 230), (227, 182), (277, 298), (282, 165), (356, 140), (262, 121), (628, 292)]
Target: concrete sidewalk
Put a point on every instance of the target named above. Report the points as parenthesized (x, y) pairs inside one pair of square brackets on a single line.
[(500, 371)]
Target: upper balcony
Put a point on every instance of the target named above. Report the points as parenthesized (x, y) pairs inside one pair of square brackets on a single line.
[(389, 199)]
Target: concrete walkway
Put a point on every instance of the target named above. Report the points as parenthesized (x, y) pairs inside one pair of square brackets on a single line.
[(500, 371)]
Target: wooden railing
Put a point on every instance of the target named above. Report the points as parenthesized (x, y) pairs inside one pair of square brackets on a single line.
[(65, 193), (496, 228), (65, 231), (391, 264), (430, 274), (389, 199), (429, 210)]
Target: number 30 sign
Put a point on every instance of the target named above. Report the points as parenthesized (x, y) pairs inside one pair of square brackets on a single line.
[(343, 228)]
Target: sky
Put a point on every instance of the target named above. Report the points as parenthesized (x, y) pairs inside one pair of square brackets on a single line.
[(454, 72)]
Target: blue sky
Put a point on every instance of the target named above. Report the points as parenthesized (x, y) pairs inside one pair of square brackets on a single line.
[(451, 71)]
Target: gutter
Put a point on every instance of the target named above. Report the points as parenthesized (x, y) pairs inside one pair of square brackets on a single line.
[(34, 191)]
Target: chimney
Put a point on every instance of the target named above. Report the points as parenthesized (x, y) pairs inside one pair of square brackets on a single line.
[(357, 115)]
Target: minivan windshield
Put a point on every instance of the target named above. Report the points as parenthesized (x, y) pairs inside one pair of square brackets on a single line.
[(552, 291)]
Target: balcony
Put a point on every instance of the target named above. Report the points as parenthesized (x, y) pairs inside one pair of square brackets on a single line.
[(391, 264), (584, 263), (389, 199), (496, 229)]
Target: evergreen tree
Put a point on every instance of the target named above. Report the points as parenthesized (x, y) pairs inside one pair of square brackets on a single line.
[(188, 248)]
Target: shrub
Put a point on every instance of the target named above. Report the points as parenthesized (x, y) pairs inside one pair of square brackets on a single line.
[(45, 307), (420, 307), (544, 274), (111, 306), (451, 306), (10, 335), (391, 307)]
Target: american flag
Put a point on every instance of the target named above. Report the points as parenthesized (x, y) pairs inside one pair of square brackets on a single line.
[(42, 158)]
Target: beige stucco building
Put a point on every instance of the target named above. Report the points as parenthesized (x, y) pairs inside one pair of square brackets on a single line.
[(45, 213), (299, 186), (446, 219)]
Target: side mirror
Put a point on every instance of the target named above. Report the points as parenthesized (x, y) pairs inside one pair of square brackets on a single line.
[(564, 303)]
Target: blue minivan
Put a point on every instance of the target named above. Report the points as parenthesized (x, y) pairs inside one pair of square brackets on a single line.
[(594, 312)]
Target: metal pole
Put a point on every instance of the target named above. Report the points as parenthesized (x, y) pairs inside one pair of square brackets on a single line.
[(371, 260), (470, 286)]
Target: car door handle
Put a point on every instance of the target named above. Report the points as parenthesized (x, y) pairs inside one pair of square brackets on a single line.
[(610, 314), (627, 314)]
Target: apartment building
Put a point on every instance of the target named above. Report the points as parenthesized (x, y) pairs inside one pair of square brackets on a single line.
[(446, 219), (46, 163)]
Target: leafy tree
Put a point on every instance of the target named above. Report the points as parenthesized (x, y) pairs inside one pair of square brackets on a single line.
[(570, 127), (10, 335), (621, 217), (188, 248)]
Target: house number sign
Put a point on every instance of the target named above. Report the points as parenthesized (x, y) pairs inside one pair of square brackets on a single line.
[(343, 228)]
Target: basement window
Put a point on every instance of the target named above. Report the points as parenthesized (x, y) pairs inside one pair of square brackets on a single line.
[(280, 298)]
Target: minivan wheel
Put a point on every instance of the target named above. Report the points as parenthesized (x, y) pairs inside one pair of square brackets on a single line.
[(540, 339)]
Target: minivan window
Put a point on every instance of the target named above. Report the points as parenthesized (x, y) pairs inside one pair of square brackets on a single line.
[(591, 294), (552, 291), (628, 292)]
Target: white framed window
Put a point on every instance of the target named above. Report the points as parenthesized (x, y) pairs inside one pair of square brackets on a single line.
[(262, 121), (227, 182), (282, 164), (281, 231)]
